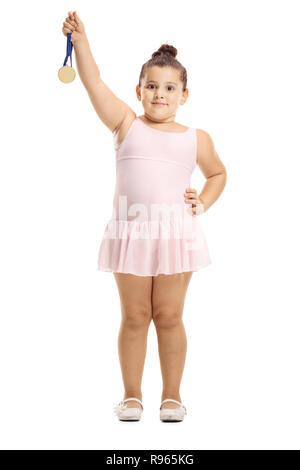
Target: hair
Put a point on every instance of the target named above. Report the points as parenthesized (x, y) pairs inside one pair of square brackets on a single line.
[(165, 57)]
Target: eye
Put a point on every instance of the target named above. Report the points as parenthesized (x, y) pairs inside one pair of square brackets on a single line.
[(152, 85)]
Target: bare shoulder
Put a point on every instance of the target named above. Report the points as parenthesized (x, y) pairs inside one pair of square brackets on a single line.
[(123, 128), (203, 136), (208, 159), (205, 144)]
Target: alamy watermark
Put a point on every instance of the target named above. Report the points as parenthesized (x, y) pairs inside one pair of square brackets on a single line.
[(162, 221)]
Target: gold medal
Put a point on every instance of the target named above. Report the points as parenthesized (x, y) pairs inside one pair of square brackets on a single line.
[(66, 74)]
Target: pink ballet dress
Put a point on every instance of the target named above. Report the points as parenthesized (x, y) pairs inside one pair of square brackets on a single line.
[(150, 231)]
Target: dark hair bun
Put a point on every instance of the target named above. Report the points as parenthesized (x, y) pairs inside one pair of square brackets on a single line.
[(165, 49)]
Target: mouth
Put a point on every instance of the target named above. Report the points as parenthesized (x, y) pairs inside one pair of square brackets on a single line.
[(159, 104)]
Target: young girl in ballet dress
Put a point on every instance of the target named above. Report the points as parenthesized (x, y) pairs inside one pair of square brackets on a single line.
[(153, 241)]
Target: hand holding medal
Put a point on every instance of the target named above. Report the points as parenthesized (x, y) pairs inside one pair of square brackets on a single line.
[(72, 28)]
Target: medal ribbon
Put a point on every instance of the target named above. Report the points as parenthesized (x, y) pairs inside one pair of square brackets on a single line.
[(69, 49)]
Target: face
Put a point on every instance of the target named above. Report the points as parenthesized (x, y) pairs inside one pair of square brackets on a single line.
[(162, 85)]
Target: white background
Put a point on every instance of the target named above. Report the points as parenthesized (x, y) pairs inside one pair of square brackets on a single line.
[(60, 316)]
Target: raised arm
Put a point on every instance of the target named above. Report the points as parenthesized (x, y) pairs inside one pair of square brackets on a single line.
[(110, 109)]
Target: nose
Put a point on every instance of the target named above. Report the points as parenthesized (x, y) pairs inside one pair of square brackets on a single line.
[(157, 94)]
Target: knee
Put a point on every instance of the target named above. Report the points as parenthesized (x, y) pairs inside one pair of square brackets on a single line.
[(167, 317), (135, 316)]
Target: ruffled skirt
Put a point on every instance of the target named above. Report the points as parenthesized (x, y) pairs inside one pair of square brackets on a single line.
[(149, 248)]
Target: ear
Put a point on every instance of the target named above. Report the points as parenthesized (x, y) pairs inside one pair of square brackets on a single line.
[(138, 92), (185, 95)]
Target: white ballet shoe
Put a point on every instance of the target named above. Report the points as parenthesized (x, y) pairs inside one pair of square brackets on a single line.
[(125, 413), (172, 414)]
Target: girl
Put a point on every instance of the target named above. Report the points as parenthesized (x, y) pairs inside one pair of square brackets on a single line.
[(152, 258)]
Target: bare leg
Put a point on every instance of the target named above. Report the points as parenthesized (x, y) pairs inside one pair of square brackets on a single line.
[(168, 297), (136, 308)]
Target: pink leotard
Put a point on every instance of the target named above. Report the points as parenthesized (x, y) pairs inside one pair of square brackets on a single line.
[(150, 231)]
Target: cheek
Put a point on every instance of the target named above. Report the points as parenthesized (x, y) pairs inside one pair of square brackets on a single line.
[(146, 95), (173, 99)]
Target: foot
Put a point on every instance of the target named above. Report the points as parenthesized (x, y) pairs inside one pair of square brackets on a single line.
[(133, 403), (172, 412), (131, 410), (170, 404)]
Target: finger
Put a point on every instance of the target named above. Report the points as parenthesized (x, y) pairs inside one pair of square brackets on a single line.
[(191, 199), (191, 211), (69, 26), (76, 18), (190, 194), (67, 30), (73, 23), (193, 203)]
